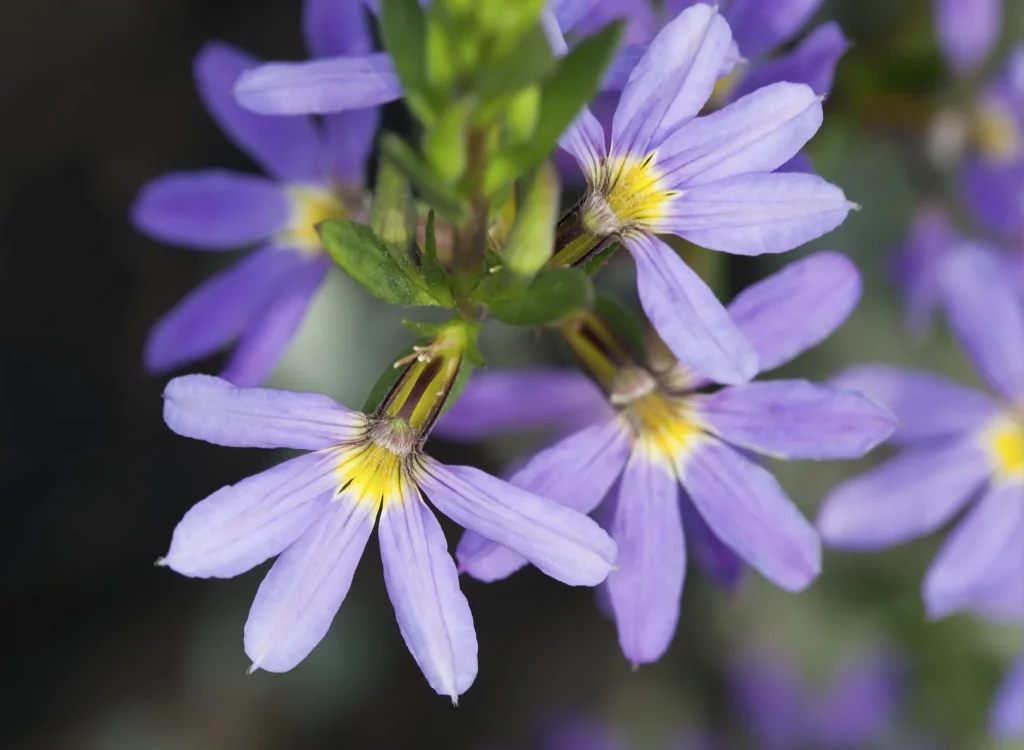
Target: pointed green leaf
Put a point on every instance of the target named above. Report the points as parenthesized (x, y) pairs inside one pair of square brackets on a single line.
[(525, 63), (563, 94), (443, 197), (554, 294), (444, 145), (434, 275), (364, 257), (532, 238)]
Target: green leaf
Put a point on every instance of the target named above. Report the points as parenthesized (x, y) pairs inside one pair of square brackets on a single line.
[(364, 257), (532, 238), (554, 294), (596, 262), (430, 186), (404, 30), (393, 215), (434, 275), (623, 322), (525, 63), (563, 94)]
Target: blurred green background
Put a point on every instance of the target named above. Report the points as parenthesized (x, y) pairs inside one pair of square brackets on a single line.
[(105, 651)]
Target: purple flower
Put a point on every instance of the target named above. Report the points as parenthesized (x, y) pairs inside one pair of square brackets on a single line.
[(968, 31), (992, 175), (313, 174), (1007, 717), (353, 79), (957, 440), (669, 458), (706, 179), (315, 513), (858, 708), (929, 243), (759, 28)]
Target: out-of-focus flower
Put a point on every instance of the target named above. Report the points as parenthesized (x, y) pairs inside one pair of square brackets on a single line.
[(352, 80), (316, 513), (759, 28), (706, 179), (932, 241), (968, 31), (658, 433), (958, 440), (992, 175), (314, 174), (858, 709)]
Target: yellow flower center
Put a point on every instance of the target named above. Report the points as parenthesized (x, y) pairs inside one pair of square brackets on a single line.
[(627, 192), (310, 206), (371, 472), (1004, 441), (661, 426), (995, 133)]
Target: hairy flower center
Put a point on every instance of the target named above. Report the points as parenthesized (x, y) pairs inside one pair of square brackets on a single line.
[(627, 192), (310, 206), (1005, 443), (996, 134), (372, 472), (662, 426)]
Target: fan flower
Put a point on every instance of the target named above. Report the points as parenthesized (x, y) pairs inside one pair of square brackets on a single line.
[(353, 80), (931, 242), (706, 179), (315, 513), (658, 432), (967, 31), (957, 441), (314, 174)]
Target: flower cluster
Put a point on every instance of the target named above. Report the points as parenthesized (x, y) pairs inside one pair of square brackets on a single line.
[(695, 148)]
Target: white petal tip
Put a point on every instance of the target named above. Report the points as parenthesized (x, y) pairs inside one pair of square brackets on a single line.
[(252, 667), (160, 562), (855, 207), (455, 701)]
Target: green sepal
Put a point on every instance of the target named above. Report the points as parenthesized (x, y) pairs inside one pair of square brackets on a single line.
[(461, 380), (384, 382), (364, 257), (404, 31), (563, 94), (531, 240), (443, 197), (554, 294), (623, 322), (436, 278), (596, 262), (429, 331)]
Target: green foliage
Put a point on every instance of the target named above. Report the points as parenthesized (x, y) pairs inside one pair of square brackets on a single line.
[(623, 322), (393, 215), (365, 257), (433, 188), (437, 280), (531, 240), (563, 94), (444, 144), (554, 294), (403, 26)]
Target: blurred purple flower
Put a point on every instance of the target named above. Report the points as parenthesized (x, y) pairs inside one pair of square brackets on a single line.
[(958, 441), (314, 174), (780, 714), (968, 31), (706, 179), (664, 434), (992, 175), (353, 79), (315, 513)]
